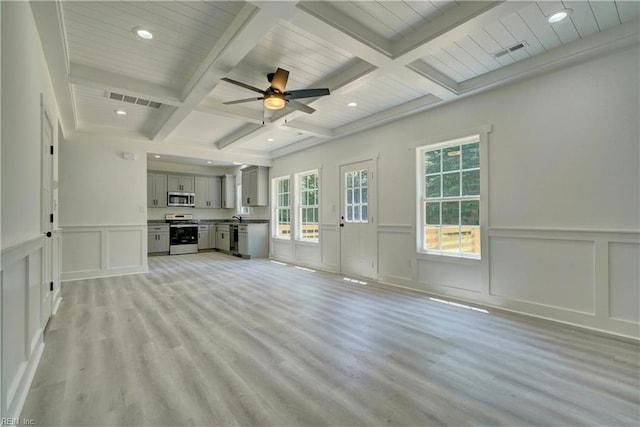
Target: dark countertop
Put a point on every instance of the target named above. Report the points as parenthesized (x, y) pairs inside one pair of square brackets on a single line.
[(215, 221)]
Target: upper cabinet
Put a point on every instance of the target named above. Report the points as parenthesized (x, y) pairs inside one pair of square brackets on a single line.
[(228, 191), (181, 183), (255, 186), (156, 190), (208, 192)]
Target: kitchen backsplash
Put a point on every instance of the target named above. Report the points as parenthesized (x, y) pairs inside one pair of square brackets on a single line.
[(199, 213)]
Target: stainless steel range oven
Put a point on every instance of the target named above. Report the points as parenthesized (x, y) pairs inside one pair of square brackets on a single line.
[(183, 234)]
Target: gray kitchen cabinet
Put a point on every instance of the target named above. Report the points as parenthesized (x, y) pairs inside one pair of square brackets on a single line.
[(203, 237), (253, 240), (181, 183), (228, 191), (212, 237), (158, 238), (223, 240), (255, 186), (208, 192), (156, 190)]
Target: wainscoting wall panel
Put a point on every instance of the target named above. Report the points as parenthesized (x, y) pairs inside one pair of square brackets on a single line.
[(22, 283), (555, 273), (81, 249), (308, 253), (281, 249), (395, 253), (124, 248), (330, 242), (464, 275), (102, 251), (624, 281)]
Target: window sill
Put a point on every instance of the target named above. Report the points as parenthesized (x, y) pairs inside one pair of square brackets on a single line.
[(284, 239), (307, 242), (449, 258)]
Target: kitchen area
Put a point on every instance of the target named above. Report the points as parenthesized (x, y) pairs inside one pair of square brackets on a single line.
[(195, 208)]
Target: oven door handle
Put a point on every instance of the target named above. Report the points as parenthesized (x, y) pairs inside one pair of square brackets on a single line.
[(183, 226)]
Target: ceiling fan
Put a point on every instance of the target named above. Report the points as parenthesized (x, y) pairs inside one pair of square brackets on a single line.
[(275, 97)]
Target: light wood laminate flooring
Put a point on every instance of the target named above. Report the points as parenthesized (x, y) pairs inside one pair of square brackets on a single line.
[(213, 340)]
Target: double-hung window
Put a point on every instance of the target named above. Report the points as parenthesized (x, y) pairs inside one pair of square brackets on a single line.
[(450, 199), (308, 203), (283, 208)]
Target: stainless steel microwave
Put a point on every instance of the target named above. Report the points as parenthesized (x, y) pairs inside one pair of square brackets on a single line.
[(181, 199)]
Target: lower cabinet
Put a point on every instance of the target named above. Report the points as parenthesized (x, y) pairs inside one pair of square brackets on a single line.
[(253, 240), (203, 237), (158, 239), (223, 240)]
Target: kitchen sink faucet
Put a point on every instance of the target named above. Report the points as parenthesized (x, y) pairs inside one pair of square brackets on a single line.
[(238, 217)]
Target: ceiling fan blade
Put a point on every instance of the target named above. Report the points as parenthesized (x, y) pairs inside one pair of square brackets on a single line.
[(300, 107), (240, 101), (279, 80), (244, 85), (306, 93)]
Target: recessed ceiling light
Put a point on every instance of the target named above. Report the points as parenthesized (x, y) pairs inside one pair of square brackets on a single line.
[(558, 16), (237, 163), (270, 139), (142, 33), (352, 104), (156, 156), (209, 162), (120, 112)]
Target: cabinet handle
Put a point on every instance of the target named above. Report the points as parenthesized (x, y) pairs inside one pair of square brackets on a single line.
[(224, 203), (248, 198)]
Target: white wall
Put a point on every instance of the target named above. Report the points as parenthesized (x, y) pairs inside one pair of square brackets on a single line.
[(103, 207), (98, 186), (563, 196), (25, 252)]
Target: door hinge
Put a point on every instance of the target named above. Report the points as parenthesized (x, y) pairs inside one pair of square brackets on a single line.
[(51, 150), (51, 218), (51, 286)]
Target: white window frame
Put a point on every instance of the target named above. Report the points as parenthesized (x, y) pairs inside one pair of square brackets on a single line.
[(353, 204), (422, 199), (299, 206), (241, 210), (275, 191)]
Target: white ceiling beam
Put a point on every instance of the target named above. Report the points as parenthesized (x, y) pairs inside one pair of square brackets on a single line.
[(428, 72), (246, 30), (245, 132), (327, 23), (461, 20), (614, 38), (96, 78), (231, 111), (50, 22), (308, 128), (389, 115), (331, 16)]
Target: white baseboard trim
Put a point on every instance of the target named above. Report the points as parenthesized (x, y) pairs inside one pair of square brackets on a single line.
[(17, 403), (96, 274)]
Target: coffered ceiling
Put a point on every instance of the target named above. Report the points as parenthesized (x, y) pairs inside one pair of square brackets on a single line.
[(391, 58)]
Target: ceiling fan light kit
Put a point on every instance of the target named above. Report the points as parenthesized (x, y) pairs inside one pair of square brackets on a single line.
[(275, 97), (274, 102)]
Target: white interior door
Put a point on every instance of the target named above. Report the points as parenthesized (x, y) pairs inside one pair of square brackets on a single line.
[(358, 229), (47, 223)]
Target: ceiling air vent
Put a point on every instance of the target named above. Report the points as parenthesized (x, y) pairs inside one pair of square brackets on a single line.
[(509, 49), (133, 100)]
